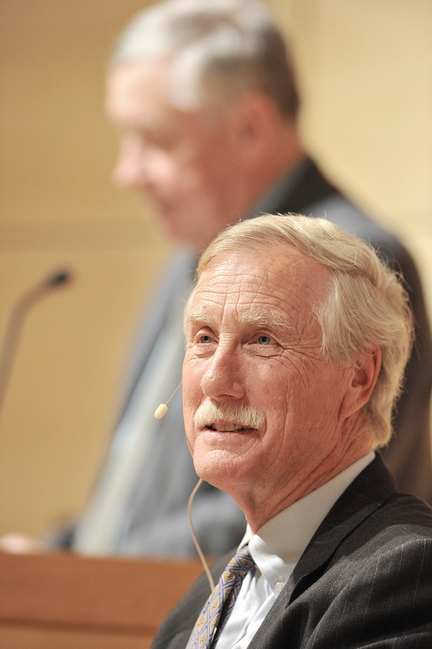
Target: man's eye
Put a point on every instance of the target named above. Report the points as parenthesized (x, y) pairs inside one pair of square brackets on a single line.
[(205, 339), (264, 340)]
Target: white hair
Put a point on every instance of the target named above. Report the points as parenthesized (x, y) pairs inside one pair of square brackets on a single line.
[(366, 304), (213, 45)]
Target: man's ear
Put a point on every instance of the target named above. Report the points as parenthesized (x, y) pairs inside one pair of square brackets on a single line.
[(363, 379), (255, 116)]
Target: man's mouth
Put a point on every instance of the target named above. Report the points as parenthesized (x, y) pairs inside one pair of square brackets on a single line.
[(226, 428), (227, 418)]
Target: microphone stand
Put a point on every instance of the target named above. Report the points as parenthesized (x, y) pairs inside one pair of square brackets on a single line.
[(16, 321)]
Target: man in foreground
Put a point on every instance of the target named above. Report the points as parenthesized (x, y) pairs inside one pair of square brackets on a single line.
[(296, 342)]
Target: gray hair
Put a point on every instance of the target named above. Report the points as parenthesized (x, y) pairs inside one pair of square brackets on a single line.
[(216, 47), (366, 304)]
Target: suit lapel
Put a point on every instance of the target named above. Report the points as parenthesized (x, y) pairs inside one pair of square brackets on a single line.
[(362, 498)]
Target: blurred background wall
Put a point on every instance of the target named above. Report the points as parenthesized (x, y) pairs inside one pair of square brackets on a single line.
[(365, 71)]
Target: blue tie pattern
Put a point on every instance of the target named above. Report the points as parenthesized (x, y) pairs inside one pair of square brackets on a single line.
[(220, 603)]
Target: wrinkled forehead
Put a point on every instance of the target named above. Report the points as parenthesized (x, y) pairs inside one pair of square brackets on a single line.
[(280, 280)]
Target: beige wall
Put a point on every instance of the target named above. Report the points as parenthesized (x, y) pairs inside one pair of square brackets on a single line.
[(365, 71)]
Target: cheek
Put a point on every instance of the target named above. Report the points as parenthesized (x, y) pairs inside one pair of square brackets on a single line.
[(192, 394), (283, 393), (186, 167), (271, 383), (168, 173), (192, 179), (204, 172)]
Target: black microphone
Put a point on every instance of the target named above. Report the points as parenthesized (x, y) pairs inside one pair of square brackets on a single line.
[(60, 277), (17, 317)]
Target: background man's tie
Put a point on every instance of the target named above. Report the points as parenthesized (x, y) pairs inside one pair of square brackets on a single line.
[(219, 605)]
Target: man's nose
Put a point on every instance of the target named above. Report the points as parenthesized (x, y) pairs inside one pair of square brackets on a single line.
[(223, 378)]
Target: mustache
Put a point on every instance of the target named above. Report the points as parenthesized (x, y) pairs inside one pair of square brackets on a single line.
[(246, 416)]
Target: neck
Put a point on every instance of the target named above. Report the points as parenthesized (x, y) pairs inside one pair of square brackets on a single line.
[(258, 177), (282, 156), (260, 504)]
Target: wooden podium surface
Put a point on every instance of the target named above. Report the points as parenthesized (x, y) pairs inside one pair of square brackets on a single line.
[(64, 601)]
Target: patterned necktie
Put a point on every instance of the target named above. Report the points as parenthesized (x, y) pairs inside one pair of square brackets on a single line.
[(220, 603)]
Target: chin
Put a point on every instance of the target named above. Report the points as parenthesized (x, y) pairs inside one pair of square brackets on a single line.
[(218, 468)]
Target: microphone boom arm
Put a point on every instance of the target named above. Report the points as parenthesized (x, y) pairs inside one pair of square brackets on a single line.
[(16, 321)]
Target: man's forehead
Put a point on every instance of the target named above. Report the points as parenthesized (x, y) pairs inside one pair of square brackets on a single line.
[(141, 71), (276, 269), (140, 83), (259, 288)]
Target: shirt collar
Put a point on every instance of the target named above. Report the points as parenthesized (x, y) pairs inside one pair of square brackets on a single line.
[(280, 542)]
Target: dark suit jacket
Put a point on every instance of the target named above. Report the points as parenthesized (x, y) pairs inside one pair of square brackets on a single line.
[(365, 579)]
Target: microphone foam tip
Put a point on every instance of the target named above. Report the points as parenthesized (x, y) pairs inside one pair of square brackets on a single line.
[(161, 411)]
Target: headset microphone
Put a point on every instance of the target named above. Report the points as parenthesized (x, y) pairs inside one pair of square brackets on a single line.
[(162, 408)]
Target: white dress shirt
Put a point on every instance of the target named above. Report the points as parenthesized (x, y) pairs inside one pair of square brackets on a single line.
[(276, 549)]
